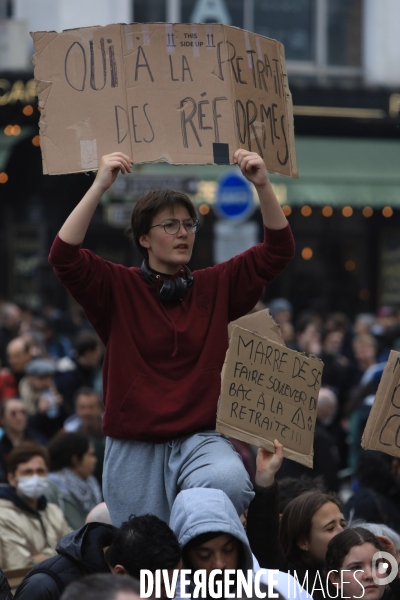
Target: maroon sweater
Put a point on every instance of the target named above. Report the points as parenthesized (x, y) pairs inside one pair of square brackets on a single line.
[(162, 366)]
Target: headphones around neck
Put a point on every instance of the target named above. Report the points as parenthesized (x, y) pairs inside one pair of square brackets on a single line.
[(171, 290)]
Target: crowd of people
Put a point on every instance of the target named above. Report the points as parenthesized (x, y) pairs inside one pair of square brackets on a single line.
[(109, 461)]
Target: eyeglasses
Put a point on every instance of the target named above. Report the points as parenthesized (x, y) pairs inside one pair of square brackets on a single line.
[(172, 226)]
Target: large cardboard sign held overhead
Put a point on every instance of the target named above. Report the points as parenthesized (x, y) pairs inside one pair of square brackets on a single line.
[(179, 93), (382, 431), (269, 392)]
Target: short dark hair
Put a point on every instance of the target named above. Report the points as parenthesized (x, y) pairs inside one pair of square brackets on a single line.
[(101, 586), (341, 544), (365, 338), (84, 341), (64, 446), (144, 542), (374, 470), (305, 319), (152, 203), (290, 488), (85, 390), (296, 520), (24, 453)]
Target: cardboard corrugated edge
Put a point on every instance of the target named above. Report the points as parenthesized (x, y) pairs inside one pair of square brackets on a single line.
[(289, 117), (256, 440), (42, 86), (257, 322), (378, 410), (307, 461)]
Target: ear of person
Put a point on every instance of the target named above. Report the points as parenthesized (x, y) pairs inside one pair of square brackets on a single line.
[(119, 570), (334, 577), (303, 545)]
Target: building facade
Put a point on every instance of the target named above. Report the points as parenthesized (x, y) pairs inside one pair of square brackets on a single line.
[(344, 74)]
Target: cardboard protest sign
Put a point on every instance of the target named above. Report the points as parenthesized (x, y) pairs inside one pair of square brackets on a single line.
[(269, 392), (382, 431), (177, 93), (259, 322)]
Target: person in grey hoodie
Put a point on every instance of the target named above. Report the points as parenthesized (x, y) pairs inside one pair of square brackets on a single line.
[(212, 536)]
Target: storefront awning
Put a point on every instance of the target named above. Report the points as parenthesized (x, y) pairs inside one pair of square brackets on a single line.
[(333, 171), (338, 172)]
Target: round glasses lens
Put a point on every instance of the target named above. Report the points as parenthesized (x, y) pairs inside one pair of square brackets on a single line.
[(188, 225), (172, 226)]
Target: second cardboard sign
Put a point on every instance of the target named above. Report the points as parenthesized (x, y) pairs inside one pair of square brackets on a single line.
[(269, 392)]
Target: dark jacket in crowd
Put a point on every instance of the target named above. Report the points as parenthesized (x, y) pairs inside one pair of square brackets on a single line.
[(377, 495), (5, 590), (71, 376), (326, 461), (374, 507), (79, 553), (393, 591)]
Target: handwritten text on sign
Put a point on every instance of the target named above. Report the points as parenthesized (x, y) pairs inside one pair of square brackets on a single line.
[(382, 431), (185, 94), (269, 391)]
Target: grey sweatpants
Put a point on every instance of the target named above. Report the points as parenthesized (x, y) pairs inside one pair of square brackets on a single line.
[(140, 478)]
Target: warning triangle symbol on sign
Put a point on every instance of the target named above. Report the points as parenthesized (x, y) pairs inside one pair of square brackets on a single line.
[(210, 11), (298, 419)]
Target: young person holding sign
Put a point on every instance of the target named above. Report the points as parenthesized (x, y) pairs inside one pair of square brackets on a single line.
[(165, 332)]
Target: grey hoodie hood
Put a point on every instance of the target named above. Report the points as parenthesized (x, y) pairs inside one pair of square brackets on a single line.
[(202, 510)]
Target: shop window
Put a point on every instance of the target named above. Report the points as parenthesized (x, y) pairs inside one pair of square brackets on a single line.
[(344, 32), (149, 11), (289, 21), (321, 37), (228, 11)]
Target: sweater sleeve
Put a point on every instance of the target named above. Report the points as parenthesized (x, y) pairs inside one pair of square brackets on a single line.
[(87, 278), (263, 528), (250, 271)]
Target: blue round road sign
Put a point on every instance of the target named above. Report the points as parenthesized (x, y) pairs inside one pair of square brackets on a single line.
[(234, 200)]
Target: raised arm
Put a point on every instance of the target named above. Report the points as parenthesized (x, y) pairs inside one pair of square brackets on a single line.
[(263, 514), (253, 168), (75, 227)]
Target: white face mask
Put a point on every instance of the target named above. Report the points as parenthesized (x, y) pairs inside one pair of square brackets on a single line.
[(32, 487)]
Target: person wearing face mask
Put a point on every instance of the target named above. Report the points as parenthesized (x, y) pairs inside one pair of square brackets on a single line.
[(30, 526)]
